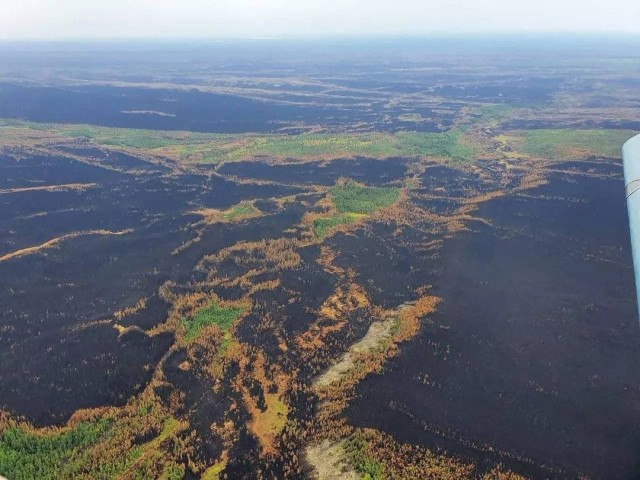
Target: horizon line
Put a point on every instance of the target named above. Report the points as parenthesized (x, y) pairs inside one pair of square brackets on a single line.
[(333, 36)]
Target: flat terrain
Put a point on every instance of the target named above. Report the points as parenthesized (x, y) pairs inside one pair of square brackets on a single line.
[(390, 261)]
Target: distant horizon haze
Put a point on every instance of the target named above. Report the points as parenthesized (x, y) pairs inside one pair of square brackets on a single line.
[(289, 19)]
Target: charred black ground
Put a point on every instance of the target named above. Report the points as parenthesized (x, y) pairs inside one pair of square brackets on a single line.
[(533, 348)]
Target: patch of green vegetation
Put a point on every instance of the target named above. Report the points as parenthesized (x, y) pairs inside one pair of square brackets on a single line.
[(315, 145), (10, 122), (144, 410), (354, 198), (227, 338), (492, 115), (354, 202), (119, 137), (355, 449), (213, 314), (113, 468), (132, 137), (323, 225), (169, 427), (239, 211), (567, 143), (173, 472), (451, 144), (26, 455), (213, 472), (376, 145)]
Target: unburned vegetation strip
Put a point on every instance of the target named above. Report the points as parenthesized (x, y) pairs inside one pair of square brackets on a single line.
[(196, 147), (569, 143)]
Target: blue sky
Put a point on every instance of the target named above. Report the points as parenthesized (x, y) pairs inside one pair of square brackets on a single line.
[(68, 19)]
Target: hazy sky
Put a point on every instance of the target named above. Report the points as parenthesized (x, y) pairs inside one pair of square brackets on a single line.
[(28, 19)]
